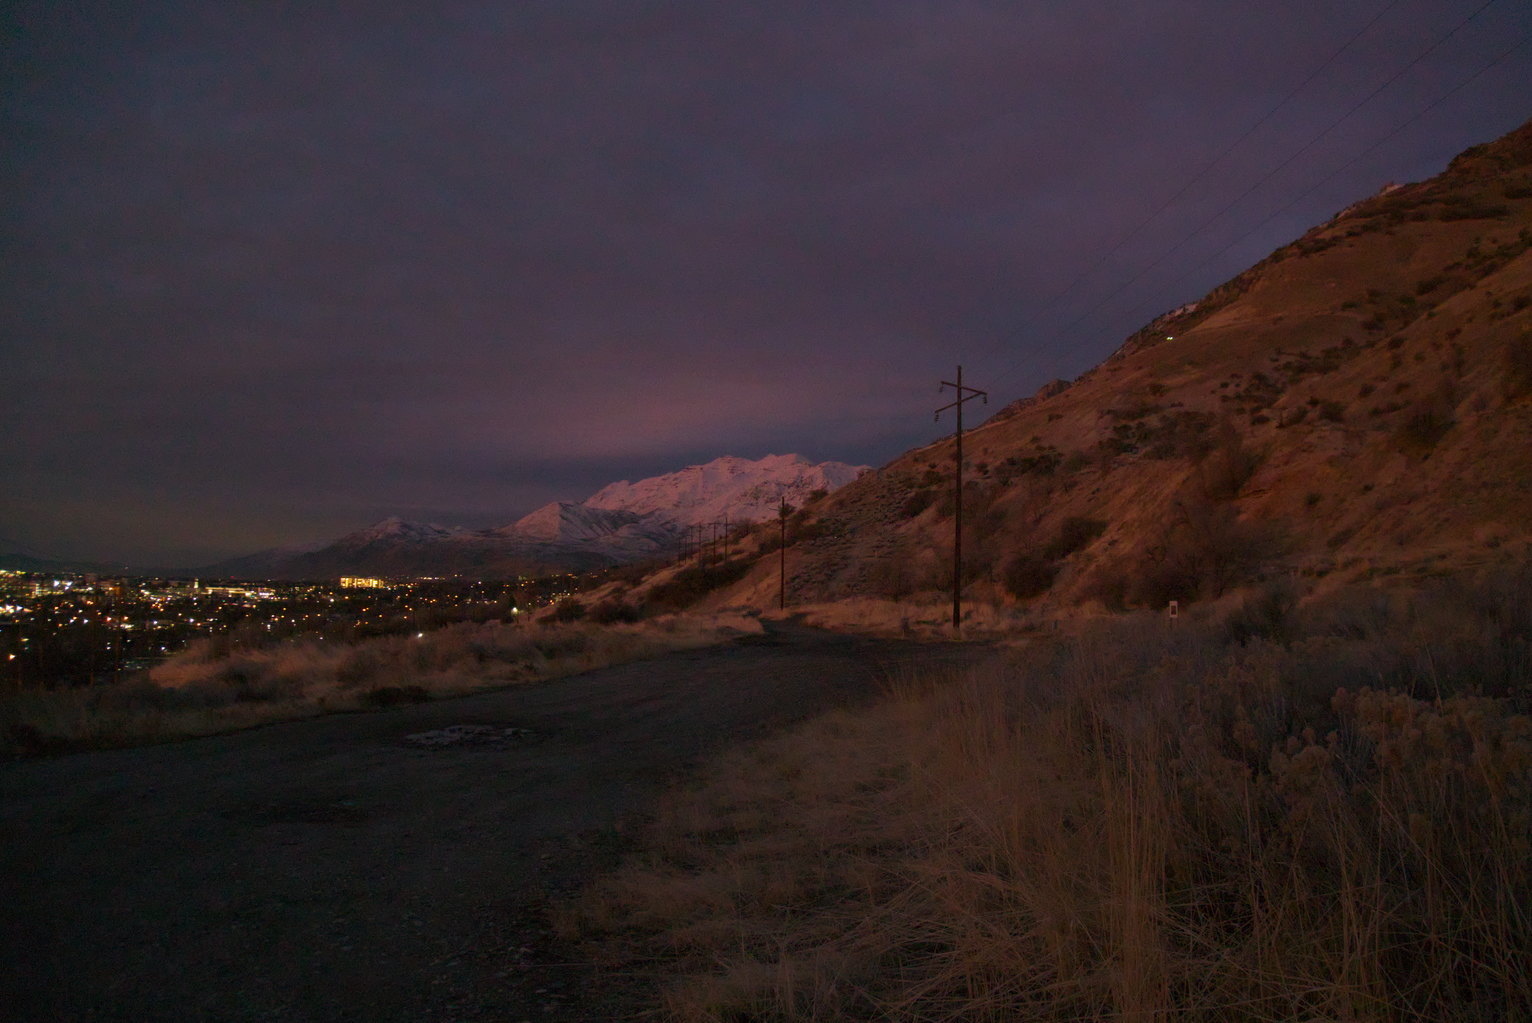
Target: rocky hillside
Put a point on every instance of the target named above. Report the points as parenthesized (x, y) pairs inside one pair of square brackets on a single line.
[(1356, 406)]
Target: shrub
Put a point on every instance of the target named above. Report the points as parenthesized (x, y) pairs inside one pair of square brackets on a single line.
[(1208, 550), (1042, 463), (198, 692), (1516, 368), (893, 577), (1228, 467), (612, 610), (1465, 209), (917, 502), (1266, 615), (1027, 575), (1075, 533), (801, 529), (691, 584), (1135, 823), (1423, 429), (568, 610), (394, 696)]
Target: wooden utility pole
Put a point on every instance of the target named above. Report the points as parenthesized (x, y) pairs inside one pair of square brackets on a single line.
[(963, 394), (782, 556)]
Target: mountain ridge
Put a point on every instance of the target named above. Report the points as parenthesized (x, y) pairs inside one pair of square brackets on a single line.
[(622, 522)]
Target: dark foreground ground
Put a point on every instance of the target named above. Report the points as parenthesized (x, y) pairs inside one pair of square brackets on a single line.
[(335, 869)]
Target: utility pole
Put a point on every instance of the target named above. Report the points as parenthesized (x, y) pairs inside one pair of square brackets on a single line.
[(782, 556), (963, 394)]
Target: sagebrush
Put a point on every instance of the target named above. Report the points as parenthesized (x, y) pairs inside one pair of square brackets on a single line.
[(1316, 812)]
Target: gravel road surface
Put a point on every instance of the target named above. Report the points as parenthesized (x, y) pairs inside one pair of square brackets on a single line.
[(378, 867)]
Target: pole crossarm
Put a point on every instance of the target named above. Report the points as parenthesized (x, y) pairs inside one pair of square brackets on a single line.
[(972, 393)]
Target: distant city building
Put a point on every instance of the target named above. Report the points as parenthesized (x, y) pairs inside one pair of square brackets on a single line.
[(361, 582), (263, 593)]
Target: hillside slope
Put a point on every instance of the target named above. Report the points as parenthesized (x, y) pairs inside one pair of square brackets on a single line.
[(1357, 405)]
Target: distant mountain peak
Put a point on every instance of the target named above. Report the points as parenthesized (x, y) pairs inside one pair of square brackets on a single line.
[(739, 489), (396, 528), (622, 522), (566, 521)]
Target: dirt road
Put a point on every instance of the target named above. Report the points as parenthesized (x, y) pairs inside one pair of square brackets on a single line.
[(345, 868)]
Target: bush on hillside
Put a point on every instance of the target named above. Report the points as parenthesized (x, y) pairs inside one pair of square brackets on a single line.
[(1025, 576), (1227, 468), (917, 502), (1208, 550), (1516, 368), (693, 583), (1268, 614), (613, 610), (568, 610), (1075, 533), (893, 578), (1427, 423)]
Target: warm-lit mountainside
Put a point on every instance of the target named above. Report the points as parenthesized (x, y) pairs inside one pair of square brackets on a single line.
[(735, 489), (620, 523), (1356, 406)]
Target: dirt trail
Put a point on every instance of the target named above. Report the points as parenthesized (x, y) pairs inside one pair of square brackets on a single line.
[(336, 869)]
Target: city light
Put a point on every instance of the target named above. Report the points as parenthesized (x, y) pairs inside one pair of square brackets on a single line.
[(85, 630)]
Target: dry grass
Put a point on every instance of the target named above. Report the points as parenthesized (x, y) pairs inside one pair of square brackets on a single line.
[(196, 693), (919, 619), (1317, 814)]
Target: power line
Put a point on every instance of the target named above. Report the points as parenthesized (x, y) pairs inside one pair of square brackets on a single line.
[(1343, 167), (1005, 376), (1101, 260)]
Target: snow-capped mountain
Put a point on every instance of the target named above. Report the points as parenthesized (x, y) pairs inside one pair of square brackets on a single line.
[(394, 530), (563, 521), (579, 528), (621, 522), (736, 488)]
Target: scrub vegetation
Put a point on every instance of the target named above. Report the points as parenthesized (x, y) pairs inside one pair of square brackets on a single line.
[(208, 688), (1285, 810)]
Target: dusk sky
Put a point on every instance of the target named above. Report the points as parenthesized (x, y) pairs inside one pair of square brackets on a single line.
[(271, 272)]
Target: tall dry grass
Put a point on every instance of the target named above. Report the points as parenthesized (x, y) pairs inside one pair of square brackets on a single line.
[(1284, 814), (200, 692), (924, 619)]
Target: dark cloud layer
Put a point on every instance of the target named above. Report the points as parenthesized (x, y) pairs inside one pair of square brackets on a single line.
[(271, 273)]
